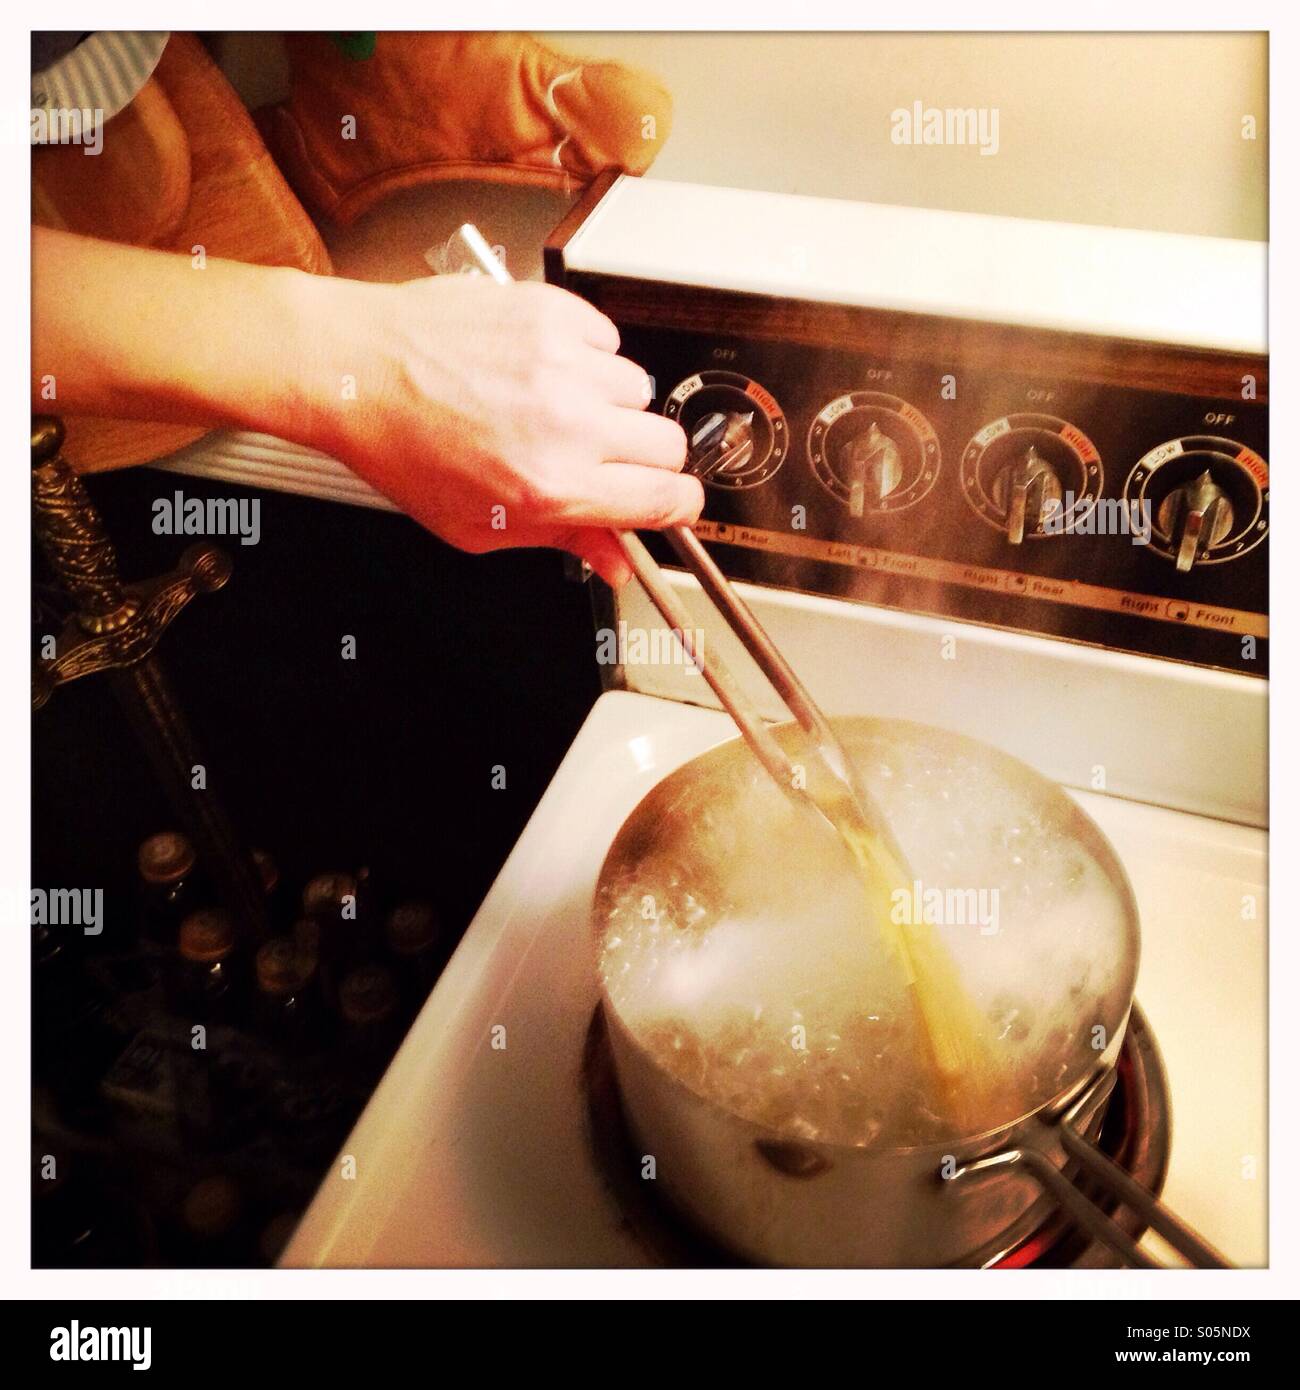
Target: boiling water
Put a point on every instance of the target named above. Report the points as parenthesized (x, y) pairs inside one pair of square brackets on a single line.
[(748, 961)]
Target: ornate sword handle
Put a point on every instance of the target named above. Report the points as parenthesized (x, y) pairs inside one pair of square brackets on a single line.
[(72, 534), (115, 624), (115, 628)]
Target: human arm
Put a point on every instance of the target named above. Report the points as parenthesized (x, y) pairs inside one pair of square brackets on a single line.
[(496, 415)]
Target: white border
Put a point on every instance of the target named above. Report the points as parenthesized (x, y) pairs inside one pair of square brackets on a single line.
[(16, 1280)]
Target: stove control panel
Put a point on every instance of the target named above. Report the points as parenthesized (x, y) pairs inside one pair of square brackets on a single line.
[(1025, 471), (1209, 497), (1085, 487)]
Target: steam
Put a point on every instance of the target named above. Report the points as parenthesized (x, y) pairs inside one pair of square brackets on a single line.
[(743, 957)]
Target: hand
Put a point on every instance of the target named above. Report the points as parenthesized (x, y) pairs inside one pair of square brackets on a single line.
[(496, 415)]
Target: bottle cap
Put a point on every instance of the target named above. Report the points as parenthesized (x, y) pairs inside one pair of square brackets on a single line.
[(165, 858), (283, 967), (411, 928), (207, 935), (367, 995), (211, 1207), (323, 896)]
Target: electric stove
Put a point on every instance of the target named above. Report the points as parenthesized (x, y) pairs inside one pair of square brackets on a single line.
[(1001, 476)]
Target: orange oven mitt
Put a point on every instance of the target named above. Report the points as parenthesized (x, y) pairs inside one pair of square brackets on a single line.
[(419, 108)]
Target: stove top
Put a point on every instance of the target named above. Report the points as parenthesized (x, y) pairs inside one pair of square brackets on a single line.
[(476, 1150)]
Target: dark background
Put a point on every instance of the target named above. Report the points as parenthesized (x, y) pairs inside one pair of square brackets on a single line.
[(462, 663)]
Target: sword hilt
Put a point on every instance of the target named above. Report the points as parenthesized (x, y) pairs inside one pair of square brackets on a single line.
[(115, 624)]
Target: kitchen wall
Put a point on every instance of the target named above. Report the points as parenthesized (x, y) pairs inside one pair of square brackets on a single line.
[(1134, 130), (1125, 129)]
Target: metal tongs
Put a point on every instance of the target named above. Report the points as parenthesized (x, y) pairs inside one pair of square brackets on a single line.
[(839, 796)]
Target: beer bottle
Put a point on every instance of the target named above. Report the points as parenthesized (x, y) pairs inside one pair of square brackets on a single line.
[(330, 902), (287, 1003), (368, 1005), (168, 884), (207, 972), (415, 943), (272, 889), (213, 1231)]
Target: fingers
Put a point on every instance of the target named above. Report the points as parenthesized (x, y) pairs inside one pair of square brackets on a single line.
[(629, 497), (597, 329), (599, 548), (617, 380), (632, 436), (594, 328)]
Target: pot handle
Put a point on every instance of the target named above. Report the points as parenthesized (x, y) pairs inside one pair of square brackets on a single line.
[(1084, 1213), (1099, 1166), (1189, 1244)]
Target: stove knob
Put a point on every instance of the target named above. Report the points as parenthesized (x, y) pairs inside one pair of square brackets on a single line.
[(1196, 516), (1025, 491), (722, 443), (872, 466)]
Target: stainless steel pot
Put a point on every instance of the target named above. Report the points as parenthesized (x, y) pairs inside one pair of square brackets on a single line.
[(777, 1196)]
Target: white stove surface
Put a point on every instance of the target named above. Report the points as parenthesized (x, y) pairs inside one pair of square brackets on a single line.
[(470, 1155)]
